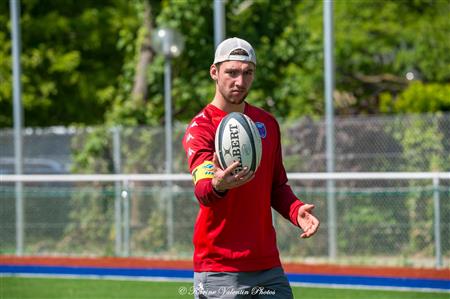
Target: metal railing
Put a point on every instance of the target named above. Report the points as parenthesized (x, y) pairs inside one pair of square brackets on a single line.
[(375, 187)]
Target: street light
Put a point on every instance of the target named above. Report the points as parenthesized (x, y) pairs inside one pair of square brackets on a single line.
[(169, 43), (18, 122)]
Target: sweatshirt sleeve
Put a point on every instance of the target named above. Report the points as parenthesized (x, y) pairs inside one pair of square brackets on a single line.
[(283, 199), (198, 143)]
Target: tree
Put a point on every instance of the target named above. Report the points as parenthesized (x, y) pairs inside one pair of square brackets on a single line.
[(378, 42), (72, 57), (418, 97), (84, 56)]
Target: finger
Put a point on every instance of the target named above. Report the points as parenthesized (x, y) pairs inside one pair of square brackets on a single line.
[(216, 161), (242, 173), (307, 233), (308, 207), (245, 179), (305, 209), (311, 228), (248, 176), (316, 224), (231, 168)]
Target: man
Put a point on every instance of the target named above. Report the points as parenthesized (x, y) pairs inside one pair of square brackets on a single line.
[(235, 251)]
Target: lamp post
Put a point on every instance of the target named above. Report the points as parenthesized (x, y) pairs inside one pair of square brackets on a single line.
[(18, 123), (169, 43), (329, 124), (219, 21)]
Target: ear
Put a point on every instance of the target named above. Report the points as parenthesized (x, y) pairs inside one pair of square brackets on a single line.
[(214, 72)]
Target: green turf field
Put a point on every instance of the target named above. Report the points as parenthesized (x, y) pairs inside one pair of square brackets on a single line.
[(62, 288)]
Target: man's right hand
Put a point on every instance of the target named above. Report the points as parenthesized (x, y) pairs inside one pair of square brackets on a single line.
[(224, 179)]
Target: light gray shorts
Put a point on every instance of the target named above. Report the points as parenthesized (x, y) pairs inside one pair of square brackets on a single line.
[(266, 284)]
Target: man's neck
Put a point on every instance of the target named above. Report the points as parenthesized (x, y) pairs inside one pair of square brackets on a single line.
[(228, 107)]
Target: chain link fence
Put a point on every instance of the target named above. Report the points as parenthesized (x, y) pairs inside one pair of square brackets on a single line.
[(378, 221)]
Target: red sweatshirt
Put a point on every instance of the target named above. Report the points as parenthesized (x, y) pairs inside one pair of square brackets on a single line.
[(234, 232)]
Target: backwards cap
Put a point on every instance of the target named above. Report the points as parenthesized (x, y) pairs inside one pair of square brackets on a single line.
[(224, 49)]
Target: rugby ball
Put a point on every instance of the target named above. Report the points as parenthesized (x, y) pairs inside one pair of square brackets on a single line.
[(237, 139)]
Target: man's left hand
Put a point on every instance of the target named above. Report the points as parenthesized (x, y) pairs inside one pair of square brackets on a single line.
[(307, 221)]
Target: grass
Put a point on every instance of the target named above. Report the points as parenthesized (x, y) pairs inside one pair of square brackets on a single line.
[(63, 288)]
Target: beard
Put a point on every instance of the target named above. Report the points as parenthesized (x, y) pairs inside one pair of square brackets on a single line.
[(237, 101), (229, 98)]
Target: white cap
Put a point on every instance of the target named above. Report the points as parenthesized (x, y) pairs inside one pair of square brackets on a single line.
[(224, 49)]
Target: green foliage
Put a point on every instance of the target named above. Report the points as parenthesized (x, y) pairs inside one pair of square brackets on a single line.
[(91, 229), (424, 145), (140, 153), (87, 149), (71, 59), (375, 45), (153, 234), (287, 36), (417, 98), (191, 87), (79, 57), (378, 42), (372, 225)]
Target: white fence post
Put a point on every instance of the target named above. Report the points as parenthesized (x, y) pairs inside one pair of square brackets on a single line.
[(126, 219), (437, 222), (118, 190)]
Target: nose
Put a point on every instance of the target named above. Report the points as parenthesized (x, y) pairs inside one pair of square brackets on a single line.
[(239, 80)]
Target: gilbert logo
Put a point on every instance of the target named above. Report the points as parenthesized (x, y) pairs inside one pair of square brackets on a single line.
[(235, 145)]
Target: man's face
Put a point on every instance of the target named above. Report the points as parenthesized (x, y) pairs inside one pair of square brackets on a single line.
[(233, 80)]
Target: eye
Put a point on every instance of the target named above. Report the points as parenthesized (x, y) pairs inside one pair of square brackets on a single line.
[(232, 73)]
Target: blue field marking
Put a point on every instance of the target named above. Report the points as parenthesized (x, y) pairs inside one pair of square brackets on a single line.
[(419, 283), (319, 279), (132, 272)]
